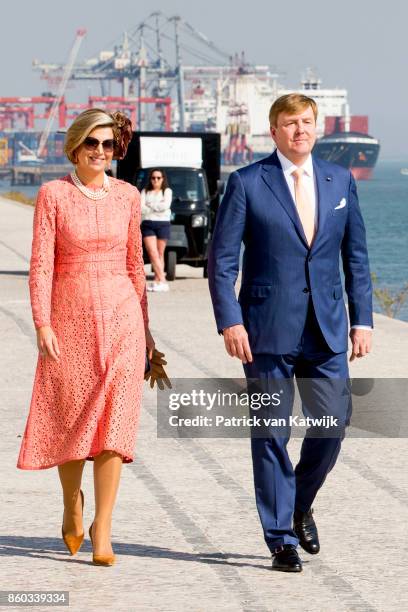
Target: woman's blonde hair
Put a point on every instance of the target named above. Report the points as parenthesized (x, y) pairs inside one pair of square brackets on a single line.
[(92, 118)]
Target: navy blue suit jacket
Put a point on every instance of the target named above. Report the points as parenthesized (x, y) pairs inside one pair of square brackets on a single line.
[(280, 272)]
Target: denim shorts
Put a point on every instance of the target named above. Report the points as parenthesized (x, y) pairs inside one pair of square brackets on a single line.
[(161, 229)]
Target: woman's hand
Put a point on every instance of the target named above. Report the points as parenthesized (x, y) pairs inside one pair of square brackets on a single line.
[(47, 343), (149, 343)]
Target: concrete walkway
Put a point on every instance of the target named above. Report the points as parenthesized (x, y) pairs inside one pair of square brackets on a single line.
[(185, 528)]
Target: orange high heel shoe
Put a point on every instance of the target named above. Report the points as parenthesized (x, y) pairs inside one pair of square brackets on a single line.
[(72, 542), (106, 560)]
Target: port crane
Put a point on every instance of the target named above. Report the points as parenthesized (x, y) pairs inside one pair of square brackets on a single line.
[(152, 62), (26, 155), (81, 32)]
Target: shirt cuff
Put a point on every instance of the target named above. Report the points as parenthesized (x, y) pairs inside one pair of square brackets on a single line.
[(361, 327)]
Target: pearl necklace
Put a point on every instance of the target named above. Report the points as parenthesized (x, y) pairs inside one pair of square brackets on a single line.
[(97, 194)]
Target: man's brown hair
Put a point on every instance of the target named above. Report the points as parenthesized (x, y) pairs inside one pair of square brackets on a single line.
[(290, 103)]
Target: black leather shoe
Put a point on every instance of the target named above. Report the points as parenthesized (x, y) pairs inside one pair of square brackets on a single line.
[(306, 530), (286, 559)]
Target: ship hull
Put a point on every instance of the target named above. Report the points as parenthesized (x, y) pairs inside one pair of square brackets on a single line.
[(362, 174), (357, 152)]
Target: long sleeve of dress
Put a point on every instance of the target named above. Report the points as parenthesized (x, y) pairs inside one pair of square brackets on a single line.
[(134, 257), (42, 258)]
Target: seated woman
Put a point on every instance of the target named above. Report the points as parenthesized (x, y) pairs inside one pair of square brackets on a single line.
[(156, 200)]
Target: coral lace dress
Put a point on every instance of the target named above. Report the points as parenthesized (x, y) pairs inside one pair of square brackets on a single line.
[(86, 281)]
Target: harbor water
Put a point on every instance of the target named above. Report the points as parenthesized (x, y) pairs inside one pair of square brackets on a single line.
[(384, 205)]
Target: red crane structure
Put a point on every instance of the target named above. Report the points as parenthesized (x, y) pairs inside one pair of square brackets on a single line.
[(15, 111), (23, 108)]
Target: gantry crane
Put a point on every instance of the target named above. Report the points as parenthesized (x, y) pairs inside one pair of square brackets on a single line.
[(154, 59), (81, 32)]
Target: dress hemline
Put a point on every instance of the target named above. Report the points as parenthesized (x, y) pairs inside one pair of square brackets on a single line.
[(125, 459)]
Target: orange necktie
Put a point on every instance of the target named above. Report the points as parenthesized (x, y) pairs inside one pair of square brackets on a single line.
[(304, 206)]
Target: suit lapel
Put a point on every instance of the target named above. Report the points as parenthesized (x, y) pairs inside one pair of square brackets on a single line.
[(273, 176), (324, 197)]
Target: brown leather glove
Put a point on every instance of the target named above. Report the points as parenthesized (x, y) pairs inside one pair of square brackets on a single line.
[(157, 373)]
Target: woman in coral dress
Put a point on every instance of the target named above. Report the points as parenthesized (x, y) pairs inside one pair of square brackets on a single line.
[(88, 298)]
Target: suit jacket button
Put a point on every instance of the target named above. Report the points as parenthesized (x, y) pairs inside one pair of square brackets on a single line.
[(305, 290), (310, 258)]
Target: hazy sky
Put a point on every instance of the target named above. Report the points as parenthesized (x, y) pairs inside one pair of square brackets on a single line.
[(359, 45)]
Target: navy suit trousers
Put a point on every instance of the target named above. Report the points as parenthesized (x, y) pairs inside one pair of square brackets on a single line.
[(279, 488)]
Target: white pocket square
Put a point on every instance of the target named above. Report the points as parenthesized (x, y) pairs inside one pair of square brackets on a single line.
[(342, 204)]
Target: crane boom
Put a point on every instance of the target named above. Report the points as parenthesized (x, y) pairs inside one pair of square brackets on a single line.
[(61, 90)]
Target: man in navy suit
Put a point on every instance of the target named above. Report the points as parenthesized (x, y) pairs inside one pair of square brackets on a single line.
[(296, 216)]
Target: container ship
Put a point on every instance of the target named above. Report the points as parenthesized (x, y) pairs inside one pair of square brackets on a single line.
[(239, 108), (242, 120), (346, 142)]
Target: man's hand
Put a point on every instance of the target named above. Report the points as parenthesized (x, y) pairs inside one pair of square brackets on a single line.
[(361, 340), (236, 343)]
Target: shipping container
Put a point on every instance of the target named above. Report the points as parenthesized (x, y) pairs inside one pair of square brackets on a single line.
[(18, 148)]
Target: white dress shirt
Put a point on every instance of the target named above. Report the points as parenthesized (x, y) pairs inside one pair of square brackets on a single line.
[(309, 182)]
